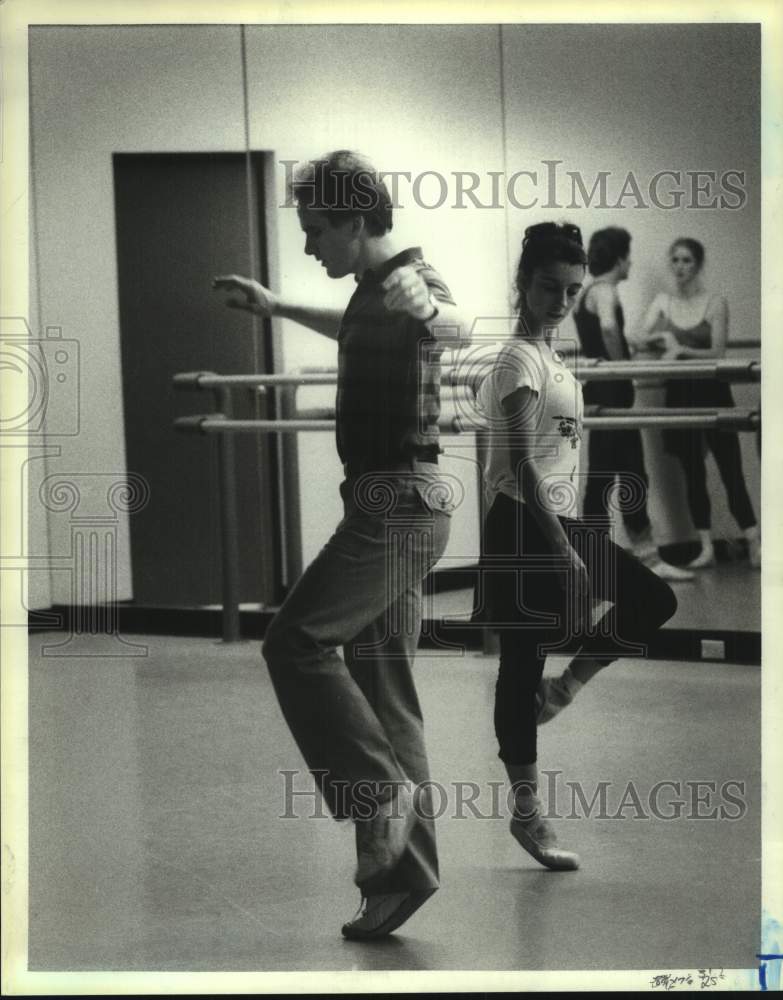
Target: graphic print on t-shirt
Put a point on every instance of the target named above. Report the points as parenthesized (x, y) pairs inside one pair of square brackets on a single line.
[(569, 428)]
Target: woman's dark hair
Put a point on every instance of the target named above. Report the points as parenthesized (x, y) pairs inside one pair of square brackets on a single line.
[(544, 244), (343, 185), (696, 249), (607, 246)]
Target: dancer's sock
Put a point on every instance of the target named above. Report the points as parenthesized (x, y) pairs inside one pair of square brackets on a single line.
[(707, 555)]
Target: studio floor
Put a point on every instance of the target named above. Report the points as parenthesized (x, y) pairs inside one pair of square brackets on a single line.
[(157, 843)]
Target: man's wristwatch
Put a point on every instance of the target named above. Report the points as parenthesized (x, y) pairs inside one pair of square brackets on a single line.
[(435, 310)]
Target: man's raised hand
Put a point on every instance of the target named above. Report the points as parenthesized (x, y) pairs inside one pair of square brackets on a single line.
[(407, 291), (257, 298)]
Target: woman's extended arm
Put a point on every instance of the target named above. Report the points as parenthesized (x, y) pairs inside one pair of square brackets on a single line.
[(644, 339), (519, 412)]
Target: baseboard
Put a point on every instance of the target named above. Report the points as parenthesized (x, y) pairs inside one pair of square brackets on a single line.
[(669, 644)]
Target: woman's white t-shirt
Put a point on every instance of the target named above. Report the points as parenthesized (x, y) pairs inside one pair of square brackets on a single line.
[(554, 422)]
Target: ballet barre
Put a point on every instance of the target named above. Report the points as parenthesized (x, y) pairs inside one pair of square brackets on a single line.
[(585, 369), (300, 421), (726, 418)]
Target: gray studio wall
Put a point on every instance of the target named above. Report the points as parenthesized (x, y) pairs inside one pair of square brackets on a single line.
[(415, 99), (643, 99), (96, 91)]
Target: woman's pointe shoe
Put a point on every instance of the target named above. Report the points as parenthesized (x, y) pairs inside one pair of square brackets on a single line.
[(537, 837), (552, 696)]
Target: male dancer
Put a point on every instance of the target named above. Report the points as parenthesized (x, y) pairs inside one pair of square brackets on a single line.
[(357, 720)]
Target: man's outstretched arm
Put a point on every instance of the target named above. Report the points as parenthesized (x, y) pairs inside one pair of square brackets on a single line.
[(260, 300)]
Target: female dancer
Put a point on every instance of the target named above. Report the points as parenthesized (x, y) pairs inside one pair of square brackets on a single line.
[(694, 324), (540, 564)]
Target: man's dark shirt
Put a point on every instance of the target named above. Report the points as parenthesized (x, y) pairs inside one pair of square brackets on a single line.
[(591, 340), (388, 383)]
